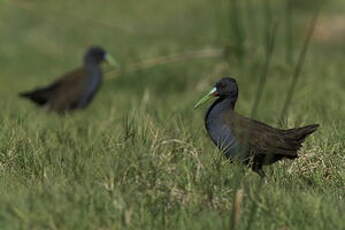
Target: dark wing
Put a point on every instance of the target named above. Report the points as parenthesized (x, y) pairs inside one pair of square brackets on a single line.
[(61, 95), (70, 90), (40, 96), (262, 139)]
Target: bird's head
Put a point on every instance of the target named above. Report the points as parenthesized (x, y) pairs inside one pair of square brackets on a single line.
[(224, 88), (98, 55)]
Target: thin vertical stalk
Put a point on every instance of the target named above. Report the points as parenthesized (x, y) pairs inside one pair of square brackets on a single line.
[(235, 220), (288, 32), (252, 21), (298, 68), (238, 33), (270, 37)]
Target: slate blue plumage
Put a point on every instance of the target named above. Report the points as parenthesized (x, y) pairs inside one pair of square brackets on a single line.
[(249, 141), (221, 135), (76, 89), (93, 81)]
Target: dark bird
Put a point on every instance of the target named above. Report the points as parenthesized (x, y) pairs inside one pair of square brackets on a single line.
[(243, 139), (76, 89)]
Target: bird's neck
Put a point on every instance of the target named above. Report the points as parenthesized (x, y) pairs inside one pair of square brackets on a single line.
[(89, 62), (92, 67), (219, 108), (224, 104)]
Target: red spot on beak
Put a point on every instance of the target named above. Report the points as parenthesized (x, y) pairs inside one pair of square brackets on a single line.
[(215, 94)]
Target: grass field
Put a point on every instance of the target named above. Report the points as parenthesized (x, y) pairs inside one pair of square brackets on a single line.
[(139, 156)]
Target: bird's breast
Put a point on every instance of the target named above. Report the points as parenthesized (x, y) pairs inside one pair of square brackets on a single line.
[(220, 133), (92, 83)]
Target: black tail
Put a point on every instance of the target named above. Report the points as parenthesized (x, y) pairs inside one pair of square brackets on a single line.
[(41, 96), (36, 97), (299, 134)]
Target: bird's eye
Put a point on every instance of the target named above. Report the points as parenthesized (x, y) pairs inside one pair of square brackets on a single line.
[(220, 86)]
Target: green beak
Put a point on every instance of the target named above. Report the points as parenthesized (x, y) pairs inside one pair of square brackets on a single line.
[(206, 98), (110, 60)]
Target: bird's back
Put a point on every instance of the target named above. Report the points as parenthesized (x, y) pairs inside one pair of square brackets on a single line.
[(73, 90)]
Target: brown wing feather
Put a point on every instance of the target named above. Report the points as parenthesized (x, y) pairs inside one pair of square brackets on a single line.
[(261, 138), (69, 90)]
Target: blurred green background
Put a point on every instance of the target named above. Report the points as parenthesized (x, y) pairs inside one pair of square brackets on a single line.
[(139, 157)]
